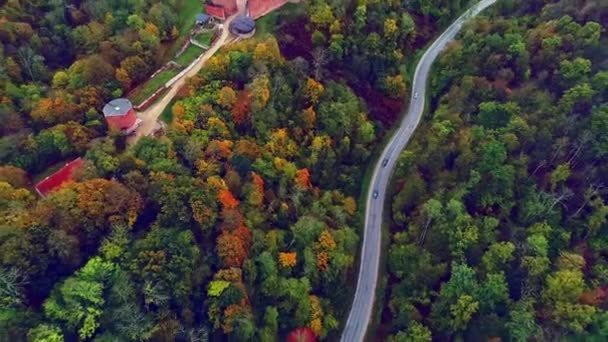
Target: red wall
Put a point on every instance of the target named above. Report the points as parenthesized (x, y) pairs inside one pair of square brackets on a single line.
[(230, 7), (215, 11), (122, 122), (258, 8), (57, 179)]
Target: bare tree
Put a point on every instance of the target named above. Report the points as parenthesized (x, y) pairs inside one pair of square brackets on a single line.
[(319, 60), (592, 190), (560, 197), (12, 282), (582, 142)]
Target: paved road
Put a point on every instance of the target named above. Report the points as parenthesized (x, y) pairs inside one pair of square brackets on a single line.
[(151, 114), (361, 310)]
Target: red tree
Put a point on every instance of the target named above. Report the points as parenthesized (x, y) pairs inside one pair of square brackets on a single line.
[(302, 335)]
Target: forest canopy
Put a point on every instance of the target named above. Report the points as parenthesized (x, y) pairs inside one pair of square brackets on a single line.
[(242, 222), (501, 207)]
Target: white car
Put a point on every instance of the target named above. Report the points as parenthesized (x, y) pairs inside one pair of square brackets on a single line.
[(416, 96)]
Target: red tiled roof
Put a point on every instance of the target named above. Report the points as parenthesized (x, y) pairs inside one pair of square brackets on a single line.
[(215, 11), (57, 179)]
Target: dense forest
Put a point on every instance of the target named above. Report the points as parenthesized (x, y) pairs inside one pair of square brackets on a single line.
[(60, 61), (501, 205), (242, 222)]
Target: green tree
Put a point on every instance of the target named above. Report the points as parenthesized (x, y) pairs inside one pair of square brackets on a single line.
[(78, 302), (45, 333), (416, 332)]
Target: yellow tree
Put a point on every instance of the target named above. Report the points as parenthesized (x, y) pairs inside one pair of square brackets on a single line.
[(313, 90), (122, 76), (281, 145), (259, 92), (390, 28), (226, 97), (288, 260), (310, 117)]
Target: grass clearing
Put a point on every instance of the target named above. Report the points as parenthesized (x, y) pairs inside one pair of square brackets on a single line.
[(191, 53), (268, 24), (204, 37), (187, 10), (167, 115), (144, 91)]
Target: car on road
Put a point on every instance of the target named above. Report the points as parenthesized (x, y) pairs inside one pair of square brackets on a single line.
[(375, 194), (384, 162), (416, 96)]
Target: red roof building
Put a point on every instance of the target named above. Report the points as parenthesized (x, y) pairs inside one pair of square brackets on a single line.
[(221, 9), (215, 11), (120, 116), (59, 178)]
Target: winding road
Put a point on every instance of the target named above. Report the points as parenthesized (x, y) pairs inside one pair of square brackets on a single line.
[(363, 303)]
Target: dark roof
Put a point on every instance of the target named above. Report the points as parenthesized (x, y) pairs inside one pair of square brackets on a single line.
[(242, 24), (117, 107), (202, 18)]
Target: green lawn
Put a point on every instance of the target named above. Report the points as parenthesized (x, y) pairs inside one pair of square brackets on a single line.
[(188, 9), (204, 37), (145, 90), (267, 24), (189, 55), (167, 115)]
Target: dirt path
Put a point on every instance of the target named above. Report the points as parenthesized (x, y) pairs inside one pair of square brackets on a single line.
[(150, 116)]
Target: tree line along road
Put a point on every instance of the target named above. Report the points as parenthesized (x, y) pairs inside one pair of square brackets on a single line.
[(363, 302)]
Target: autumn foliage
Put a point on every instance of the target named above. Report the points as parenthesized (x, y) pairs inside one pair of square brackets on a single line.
[(233, 246), (227, 199), (303, 178), (288, 260), (50, 111), (316, 323), (309, 116), (326, 241), (241, 107), (258, 182), (314, 90), (322, 261), (302, 335), (227, 97)]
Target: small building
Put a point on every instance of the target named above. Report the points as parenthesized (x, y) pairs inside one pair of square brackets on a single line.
[(59, 178), (202, 19), (120, 116), (243, 26)]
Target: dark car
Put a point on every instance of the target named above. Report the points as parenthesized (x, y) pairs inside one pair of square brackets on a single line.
[(375, 194), (384, 162)]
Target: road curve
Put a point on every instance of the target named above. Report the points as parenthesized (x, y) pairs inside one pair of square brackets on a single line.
[(361, 310)]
